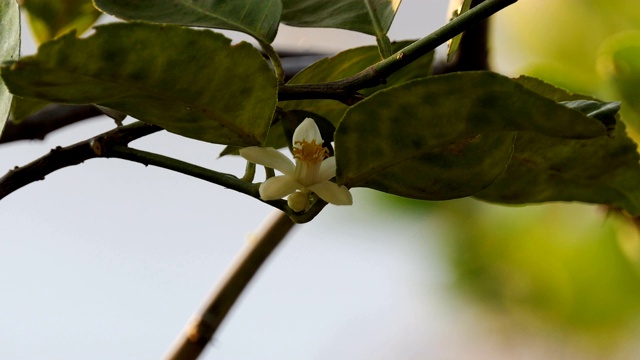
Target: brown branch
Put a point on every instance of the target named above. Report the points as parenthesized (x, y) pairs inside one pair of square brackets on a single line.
[(61, 157), (49, 119), (260, 245)]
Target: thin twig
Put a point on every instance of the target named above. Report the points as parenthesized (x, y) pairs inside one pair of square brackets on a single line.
[(275, 60), (193, 340), (223, 179)]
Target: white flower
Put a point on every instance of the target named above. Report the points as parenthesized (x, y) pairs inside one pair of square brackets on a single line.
[(310, 174)]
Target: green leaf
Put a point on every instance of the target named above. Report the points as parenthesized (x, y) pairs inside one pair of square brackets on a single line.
[(620, 64), (581, 277), (455, 42), (9, 49), (52, 18), (603, 170), (458, 169), (373, 17), (348, 63), (190, 82), (258, 18), (410, 140)]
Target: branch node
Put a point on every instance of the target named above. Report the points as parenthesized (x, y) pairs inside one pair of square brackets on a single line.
[(96, 146)]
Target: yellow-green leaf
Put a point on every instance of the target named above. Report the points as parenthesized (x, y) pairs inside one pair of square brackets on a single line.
[(52, 18), (9, 49)]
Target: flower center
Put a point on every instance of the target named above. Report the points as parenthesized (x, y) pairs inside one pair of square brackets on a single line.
[(309, 152)]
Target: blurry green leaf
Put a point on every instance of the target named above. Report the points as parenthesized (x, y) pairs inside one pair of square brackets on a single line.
[(602, 170), (258, 18), (9, 49), (455, 42), (22, 108), (560, 265), (190, 82), (373, 17), (348, 63), (620, 64), (403, 139), (52, 18)]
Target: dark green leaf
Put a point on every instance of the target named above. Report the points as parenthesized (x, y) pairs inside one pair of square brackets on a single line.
[(345, 64), (258, 18), (191, 82), (456, 170), (372, 17), (52, 18), (388, 141), (9, 49), (601, 170)]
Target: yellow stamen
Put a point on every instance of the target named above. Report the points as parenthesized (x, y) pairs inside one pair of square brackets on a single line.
[(310, 152)]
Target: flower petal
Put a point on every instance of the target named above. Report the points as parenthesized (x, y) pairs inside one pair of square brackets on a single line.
[(327, 169), (277, 187), (332, 193), (268, 157), (307, 131)]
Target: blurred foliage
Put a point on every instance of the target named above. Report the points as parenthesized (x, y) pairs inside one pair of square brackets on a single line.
[(568, 266), (572, 269), (585, 46), (52, 18)]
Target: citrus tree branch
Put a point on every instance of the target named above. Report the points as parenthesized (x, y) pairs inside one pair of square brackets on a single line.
[(61, 157), (114, 144), (345, 90), (49, 119), (192, 341)]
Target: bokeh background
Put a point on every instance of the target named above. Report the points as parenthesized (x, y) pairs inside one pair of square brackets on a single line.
[(109, 259)]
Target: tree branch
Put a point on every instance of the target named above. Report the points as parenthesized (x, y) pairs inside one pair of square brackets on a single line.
[(345, 90), (113, 144), (204, 324), (49, 119), (61, 157)]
